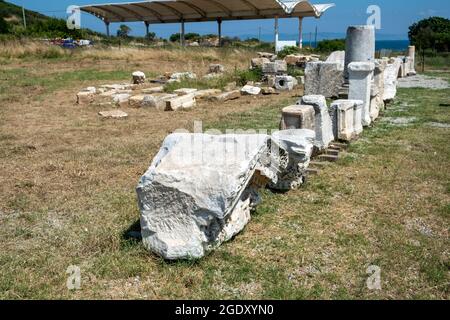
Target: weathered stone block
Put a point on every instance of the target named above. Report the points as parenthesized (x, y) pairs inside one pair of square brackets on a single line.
[(183, 102), (85, 97), (157, 100), (285, 83), (136, 101), (185, 91), (250, 90), (268, 90), (337, 57), (323, 78), (295, 148), (323, 126), (153, 90), (259, 62), (121, 99), (360, 77), (231, 95), (199, 192), (138, 77), (203, 94), (390, 79), (276, 67), (298, 117), (344, 119), (114, 114)]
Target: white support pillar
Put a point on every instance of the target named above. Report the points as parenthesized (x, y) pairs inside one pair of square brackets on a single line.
[(276, 33), (219, 26), (183, 42), (300, 32)]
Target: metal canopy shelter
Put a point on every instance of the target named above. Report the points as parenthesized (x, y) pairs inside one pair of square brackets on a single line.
[(182, 11)]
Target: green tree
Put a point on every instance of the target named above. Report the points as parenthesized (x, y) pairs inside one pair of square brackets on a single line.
[(175, 37), (124, 31), (331, 45), (151, 36), (432, 33)]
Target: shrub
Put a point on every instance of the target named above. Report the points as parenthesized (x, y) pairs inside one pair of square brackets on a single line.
[(331, 45), (287, 51), (244, 76)]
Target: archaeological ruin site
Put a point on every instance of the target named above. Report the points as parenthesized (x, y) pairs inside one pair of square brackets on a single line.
[(227, 164)]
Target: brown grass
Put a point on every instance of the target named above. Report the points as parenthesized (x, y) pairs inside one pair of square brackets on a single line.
[(67, 195)]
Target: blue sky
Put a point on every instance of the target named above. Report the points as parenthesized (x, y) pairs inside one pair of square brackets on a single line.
[(396, 16)]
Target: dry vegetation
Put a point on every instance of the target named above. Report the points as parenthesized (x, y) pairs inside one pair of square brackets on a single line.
[(67, 192)]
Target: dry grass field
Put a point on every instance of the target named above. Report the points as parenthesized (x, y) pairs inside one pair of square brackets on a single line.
[(68, 178)]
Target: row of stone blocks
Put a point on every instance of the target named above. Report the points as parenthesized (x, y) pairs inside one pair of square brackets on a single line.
[(342, 121)]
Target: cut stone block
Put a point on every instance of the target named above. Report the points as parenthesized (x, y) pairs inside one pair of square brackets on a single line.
[(138, 77), (199, 192), (390, 79), (108, 93), (183, 102), (276, 67), (376, 102), (203, 94), (250, 90), (121, 99), (360, 76), (267, 55), (85, 97), (259, 62), (185, 91), (153, 90), (285, 83), (299, 60), (157, 100), (92, 90), (114, 114), (136, 101), (178, 76), (412, 61), (268, 91), (323, 126), (346, 124), (298, 117), (295, 148), (236, 94), (117, 86), (337, 57), (323, 78)]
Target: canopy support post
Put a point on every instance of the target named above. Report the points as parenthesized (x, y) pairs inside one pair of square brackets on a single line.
[(107, 28), (147, 32), (300, 32), (182, 39), (219, 25), (276, 34)]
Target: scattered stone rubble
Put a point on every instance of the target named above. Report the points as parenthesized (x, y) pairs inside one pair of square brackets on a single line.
[(201, 189)]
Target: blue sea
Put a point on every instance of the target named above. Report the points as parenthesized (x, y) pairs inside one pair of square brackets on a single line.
[(395, 45)]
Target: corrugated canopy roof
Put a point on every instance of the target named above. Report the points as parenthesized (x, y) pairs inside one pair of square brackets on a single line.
[(171, 11)]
